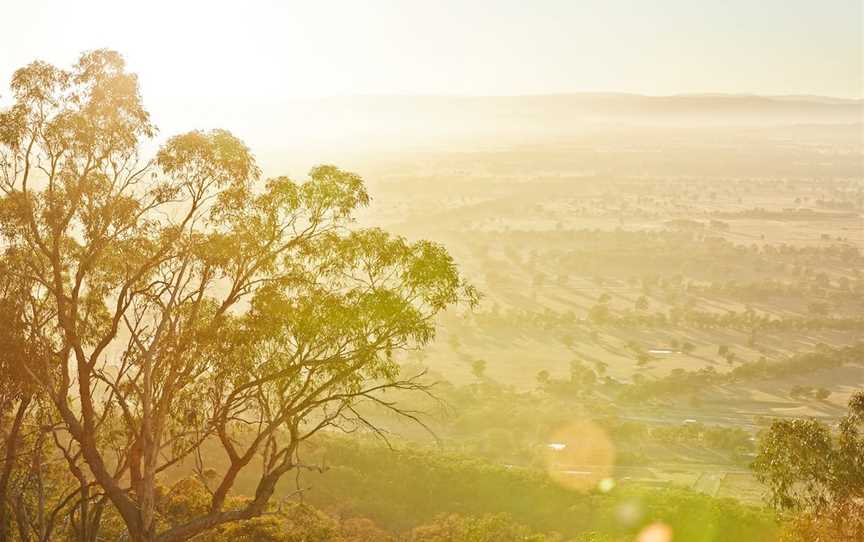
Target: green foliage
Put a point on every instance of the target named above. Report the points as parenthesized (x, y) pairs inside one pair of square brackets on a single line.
[(405, 488), (175, 301), (478, 368), (486, 528), (681, 381), (815, 475), (292, 523)]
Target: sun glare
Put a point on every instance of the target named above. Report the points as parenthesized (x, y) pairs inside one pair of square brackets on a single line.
[(431, 270)]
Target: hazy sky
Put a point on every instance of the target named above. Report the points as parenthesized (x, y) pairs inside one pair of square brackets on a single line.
[(270, 50)]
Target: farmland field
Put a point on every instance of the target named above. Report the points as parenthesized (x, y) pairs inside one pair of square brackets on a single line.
[(644, 255)]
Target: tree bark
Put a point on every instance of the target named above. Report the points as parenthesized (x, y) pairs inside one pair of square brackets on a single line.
[(9, 461)]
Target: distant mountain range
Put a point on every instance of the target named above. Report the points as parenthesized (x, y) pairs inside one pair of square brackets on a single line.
[(421, 120), (785, 97), (709, 108)]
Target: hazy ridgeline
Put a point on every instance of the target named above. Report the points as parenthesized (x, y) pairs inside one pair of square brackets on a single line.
[(588, 317)]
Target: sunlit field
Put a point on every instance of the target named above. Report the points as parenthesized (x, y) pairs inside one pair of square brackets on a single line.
[(479, 271)]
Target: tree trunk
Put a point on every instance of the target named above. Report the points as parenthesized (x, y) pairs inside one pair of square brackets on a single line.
[(9, 461)]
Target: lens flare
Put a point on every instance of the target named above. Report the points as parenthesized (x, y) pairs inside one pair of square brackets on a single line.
[(629, 513), (656, 532), (606, 485), (580, 457)]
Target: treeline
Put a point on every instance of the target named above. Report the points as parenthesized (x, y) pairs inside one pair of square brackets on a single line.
[(769, 289), (584, 251), (600, 314), (295, 521), (408, 487), (634, 435), (681, 381), (786, 214), (746, 320), (501, 424)]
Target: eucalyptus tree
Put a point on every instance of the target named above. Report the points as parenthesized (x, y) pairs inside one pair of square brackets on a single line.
[(815, 474), (16, 389), (182, 299)]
